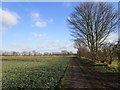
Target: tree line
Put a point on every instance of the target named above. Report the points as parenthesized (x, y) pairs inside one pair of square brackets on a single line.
[(91, 23), (107, 53), (36, 53)]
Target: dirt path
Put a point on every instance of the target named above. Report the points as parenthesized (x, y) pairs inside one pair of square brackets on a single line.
[(82, 75)]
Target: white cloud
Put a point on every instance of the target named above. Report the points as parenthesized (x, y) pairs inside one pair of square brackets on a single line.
[(101, 0), (68, 18), (35, 16), (8, 19), (35, 41), (38, 20), (50, 20), (37, 35), (40, 24), (57, 46), (56, 41), (43, 45), (112, 37), (67, 4)]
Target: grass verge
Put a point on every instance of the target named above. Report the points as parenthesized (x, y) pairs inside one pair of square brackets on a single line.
[(63, 79), (101, 67)]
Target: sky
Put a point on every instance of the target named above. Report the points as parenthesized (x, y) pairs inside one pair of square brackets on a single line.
[(39, 26)]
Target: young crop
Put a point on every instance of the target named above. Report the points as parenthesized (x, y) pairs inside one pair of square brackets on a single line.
[(35, 72)]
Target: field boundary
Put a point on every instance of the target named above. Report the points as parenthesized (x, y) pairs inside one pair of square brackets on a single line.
[(62, 79)]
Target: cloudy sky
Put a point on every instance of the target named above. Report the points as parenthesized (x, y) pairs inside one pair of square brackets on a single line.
[(37, 26)]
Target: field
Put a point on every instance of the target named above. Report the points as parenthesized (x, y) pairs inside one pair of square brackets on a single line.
[(33, 72), (56, 72)]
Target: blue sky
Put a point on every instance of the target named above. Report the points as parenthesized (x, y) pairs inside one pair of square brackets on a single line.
[(37, 26)]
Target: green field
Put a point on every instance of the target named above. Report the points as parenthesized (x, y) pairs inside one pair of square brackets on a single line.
[(33, 72)]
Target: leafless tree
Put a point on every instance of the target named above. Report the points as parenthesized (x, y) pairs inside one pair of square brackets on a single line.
[(106, 53), (64, 52), (35, 53), (14, 53), (91, 23), (116, 49), (24, 53), (83, 52)]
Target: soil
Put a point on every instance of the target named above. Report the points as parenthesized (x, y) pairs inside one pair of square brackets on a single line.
[(82, 75)]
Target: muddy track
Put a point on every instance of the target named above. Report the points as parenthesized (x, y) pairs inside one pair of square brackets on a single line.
[(82, 75), (76, 76)]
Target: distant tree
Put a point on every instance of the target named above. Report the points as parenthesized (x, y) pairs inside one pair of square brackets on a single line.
[(91, 23), (78, 43), (34, 52), (70, 53), (106, 53), (64, 52), (83, 52), (0, 52), (29, 53), (116, 49), (111, 53), (39, 53), (4, 53), (24, 53), (14, 53), (46, 53)]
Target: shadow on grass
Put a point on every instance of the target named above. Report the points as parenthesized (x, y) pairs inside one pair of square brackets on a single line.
[(99, 75)]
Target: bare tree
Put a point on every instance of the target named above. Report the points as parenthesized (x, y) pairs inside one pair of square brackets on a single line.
[(35, 53), (106, 53), (24, 53), (14, 53), (91, 23), (83, 52), (116, 49), (64, 52), (29, 53), (1, 52), (78, 43)]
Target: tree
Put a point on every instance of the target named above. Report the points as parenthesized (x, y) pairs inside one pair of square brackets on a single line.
[(4, 53), (78, 43), (14, 53), (64, 52), (106, 53), (29, 53), (0, 53), (82, 49), (91, 23), (34, 52), (116, 49), (24, 53), (46, 53), (83, 52)]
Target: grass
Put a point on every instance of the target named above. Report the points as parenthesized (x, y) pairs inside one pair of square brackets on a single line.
[(33, 72), (26, 56), (114, 67), (100, 75), (63, 80), (45, 72)]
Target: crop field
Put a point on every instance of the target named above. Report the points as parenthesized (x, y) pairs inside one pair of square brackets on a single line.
[(33, 72)]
